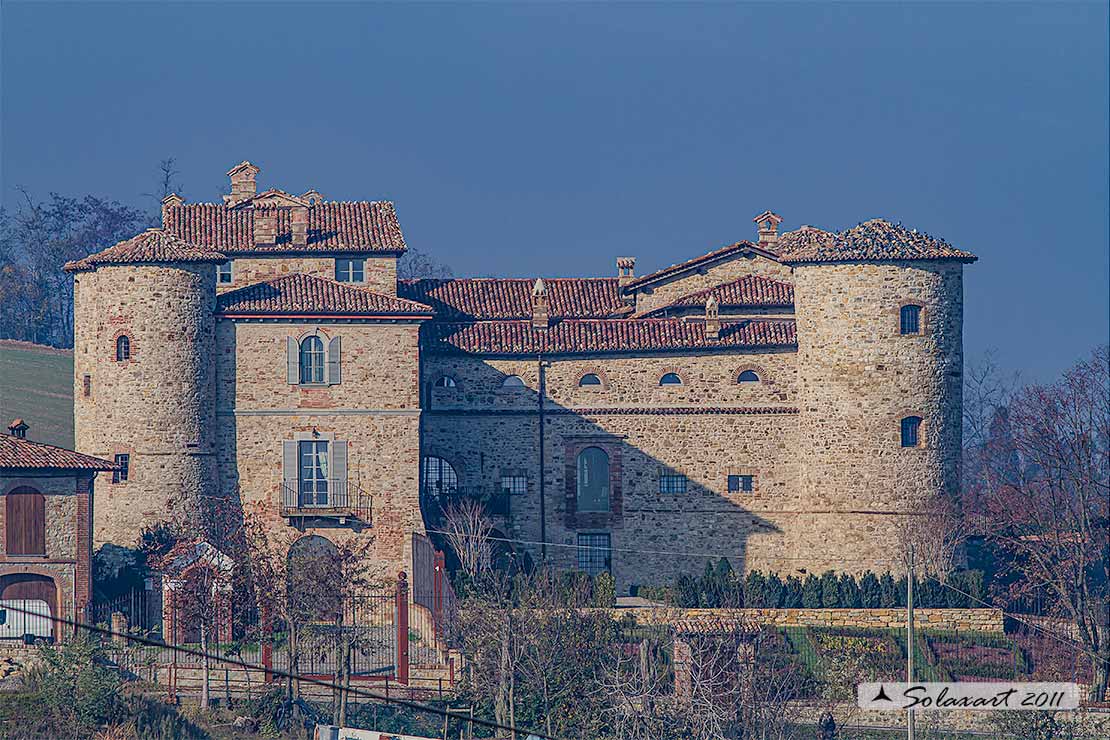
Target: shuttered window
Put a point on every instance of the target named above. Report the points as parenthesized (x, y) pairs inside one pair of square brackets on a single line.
[(314, 473), (313, 361), (25, 519)]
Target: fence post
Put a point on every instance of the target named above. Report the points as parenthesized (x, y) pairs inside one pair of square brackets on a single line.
[(402, 628), (437, 590), (266, 644)]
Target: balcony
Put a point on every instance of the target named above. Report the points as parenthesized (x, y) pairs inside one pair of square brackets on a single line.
[(338, 499), (436, 498)]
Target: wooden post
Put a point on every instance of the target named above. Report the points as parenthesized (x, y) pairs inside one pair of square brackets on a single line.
[(402, 628), (267, 646)]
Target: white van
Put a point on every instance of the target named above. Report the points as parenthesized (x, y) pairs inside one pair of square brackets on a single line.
[(19, 617)]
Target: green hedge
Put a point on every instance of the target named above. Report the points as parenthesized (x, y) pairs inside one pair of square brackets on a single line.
[(720, 586)]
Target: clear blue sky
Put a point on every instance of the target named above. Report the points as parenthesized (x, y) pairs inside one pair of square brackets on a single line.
[(548, 139)]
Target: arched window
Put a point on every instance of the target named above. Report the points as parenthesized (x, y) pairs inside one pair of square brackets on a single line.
[(670, 379), (438, 477), (513, 381), (910, 319), (911, 431), (445, 381), (123, 348), (593, 480), (589, 379), (25, 522), (315, 579), (748, 376), (312, 359)]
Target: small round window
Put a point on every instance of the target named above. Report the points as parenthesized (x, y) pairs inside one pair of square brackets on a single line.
[(670, 379), (589, 379)]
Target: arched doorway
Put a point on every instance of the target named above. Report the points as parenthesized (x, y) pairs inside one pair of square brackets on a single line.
[(314, 572), (25, 587)]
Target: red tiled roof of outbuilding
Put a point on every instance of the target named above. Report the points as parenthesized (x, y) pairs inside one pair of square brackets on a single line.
[(151, 246), (750, 290), (461, 299), (303, 294), (364, 226), (17, 453), (876, 240), (708, 257), (575, 336)]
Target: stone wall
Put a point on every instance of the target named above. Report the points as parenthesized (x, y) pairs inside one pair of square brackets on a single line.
[(675, 286), (375, 409), (963, 620), (857, 377), (381, 270), (157, 406)]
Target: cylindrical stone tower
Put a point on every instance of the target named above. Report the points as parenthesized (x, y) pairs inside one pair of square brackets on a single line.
[(144, 344), (864, 365)]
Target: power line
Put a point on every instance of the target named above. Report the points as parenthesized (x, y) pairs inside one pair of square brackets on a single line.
[(413, 705)]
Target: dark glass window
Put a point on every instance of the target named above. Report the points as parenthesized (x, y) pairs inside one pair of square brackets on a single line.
[(123, 468), (438, 477), (911, 319), (513, 381), (312, 472), (86, 383), (672, 483), (593, 480), (589, 379), (445, 382), (748, 376), (223, 272), (312, 360), (123, 348), (745, 483), (911, 431), (670, 379), (350, 270), (595, 553), (514, 485)]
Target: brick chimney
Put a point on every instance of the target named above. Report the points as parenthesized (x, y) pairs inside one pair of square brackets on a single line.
[(541, 318), (18, 428), (712, 319), (298, 221), (243, 186), (768, 222), (170, 201), (626, 268), (265, 226)]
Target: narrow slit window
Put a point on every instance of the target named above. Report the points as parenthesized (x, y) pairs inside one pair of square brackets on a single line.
[(910, 320), (123, 348), (911, 431), (123, 468)]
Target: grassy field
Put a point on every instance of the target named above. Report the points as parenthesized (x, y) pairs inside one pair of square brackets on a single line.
[(36, 384)]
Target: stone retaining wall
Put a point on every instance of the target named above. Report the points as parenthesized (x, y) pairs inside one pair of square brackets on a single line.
[(970, 620)]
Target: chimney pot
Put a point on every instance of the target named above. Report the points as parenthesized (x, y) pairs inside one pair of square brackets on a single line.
[(298, 222), (768, 223), (626, 269), (265, 227), (170, 201), (541, 317), (243, 186), (712, 319), (18, 428)]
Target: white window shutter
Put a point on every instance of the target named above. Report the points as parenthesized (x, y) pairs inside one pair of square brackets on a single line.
[(292, 361), (333, 361), (339, 462), (289, 462)]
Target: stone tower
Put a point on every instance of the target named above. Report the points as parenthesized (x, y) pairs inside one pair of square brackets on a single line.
[(861, 372), (144, 343)]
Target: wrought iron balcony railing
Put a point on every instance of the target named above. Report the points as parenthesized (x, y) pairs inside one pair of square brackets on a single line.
[(331, 498), (497, 501)]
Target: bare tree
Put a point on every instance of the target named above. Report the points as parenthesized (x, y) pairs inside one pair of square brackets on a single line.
[(467, 529), (939, 534), (1041, 487), (416, 265), (167, 181)]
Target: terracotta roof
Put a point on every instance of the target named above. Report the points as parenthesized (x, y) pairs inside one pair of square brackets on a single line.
[(462, 299), (153, 245), (874, 240), (332, 227), (301, 294), (708, 257), (572, 336), (750, 290), (23, 453)]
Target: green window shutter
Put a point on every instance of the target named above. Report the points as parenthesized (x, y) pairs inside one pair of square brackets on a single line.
[(333, 361), (292, 361)]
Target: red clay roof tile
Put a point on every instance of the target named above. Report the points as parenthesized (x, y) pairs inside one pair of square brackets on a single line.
[(301, 294), (750, 290), (874, 240), (16, 452), (151, 246), (708, 257), (462, 299)]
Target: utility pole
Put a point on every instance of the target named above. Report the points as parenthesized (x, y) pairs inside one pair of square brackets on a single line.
[(909, 638)]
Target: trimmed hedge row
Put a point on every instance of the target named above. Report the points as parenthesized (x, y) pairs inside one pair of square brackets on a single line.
[(720, 586)]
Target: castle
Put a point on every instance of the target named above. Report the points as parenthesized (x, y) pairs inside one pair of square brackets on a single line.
[(788, 402)]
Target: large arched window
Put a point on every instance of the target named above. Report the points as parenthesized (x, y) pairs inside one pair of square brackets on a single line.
[(593, 480), (911, 431), (315, 579), (25, 522), (123, 348), (438, 477), (909, 319), (312, 359)]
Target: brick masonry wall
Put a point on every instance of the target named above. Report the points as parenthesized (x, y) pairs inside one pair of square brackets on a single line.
[(157, 406), (375, 408), (665, 291), (857, 377), (381, 271)]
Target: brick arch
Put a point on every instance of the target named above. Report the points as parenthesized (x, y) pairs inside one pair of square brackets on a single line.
[(316, 331), (601, 374), (15, 586), (764, 377), (132, 346), (667, 370)]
